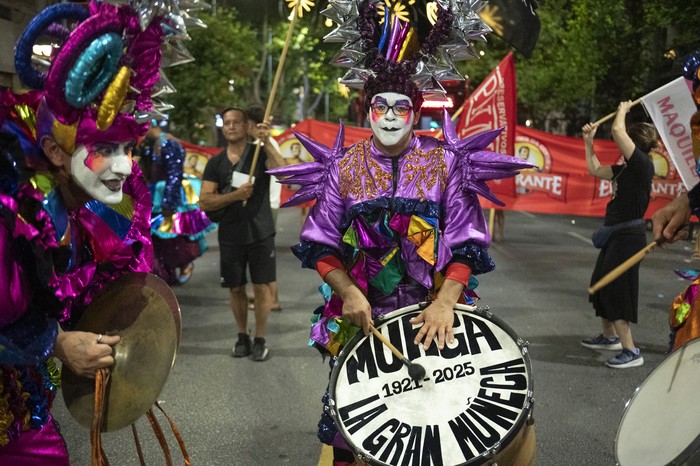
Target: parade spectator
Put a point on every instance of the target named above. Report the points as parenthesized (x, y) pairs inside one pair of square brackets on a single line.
[(256, 115), (246, 230), (622, 235)]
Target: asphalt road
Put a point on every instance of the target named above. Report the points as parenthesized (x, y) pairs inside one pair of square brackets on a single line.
[(239, 412)]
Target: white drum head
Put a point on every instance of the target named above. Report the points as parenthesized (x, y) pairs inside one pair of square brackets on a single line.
[(661, 422), (474, 398)]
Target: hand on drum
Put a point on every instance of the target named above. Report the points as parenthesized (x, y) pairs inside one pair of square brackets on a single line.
[(85, 352), (438, 320)]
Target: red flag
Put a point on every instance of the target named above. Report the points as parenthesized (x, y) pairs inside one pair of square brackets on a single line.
[(492, 106)]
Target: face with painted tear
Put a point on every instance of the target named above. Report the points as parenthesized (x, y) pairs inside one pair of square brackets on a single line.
[(100, 168), (391, 117)]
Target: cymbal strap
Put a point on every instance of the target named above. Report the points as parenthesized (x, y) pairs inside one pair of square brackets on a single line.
[(101, 382), (177, 435), (159, 435), (142, 461)]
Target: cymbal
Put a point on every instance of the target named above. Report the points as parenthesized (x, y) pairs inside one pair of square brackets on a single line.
[(143, 310)]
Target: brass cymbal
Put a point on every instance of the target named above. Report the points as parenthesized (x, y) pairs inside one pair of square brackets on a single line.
[(142, 309)]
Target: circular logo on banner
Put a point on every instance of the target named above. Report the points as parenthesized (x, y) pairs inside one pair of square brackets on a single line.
[(292, 150), (533, 152), (663, 167)]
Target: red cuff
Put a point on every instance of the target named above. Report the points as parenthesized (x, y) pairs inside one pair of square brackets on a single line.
[(459, 273), (327, 264)]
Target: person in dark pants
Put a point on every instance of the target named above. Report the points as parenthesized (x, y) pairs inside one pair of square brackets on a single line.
[(622, 235), (246, 230)]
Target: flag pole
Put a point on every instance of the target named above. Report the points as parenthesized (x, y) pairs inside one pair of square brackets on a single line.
[(611, 115), (273, 91)]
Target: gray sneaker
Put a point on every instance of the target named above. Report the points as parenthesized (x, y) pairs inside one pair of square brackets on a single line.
[(626, 358), (260, 351), (242, 347), (602, 342)]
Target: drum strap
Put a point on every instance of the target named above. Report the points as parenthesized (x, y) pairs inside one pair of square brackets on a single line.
[(98, 455)]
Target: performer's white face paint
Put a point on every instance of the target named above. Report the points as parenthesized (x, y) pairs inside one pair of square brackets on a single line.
[(100, 169), (390, 122)]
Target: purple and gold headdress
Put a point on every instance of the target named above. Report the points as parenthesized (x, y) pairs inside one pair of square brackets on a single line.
[(406, 47), (102, 79)]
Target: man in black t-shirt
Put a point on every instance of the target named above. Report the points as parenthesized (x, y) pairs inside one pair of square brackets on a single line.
[(246, 230)]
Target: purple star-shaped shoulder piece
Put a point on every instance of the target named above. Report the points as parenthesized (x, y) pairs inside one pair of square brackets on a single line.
[(478, 165), (311, 176)]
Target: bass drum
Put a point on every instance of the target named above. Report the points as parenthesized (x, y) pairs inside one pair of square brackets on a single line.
[(473, 407), (660, 422)]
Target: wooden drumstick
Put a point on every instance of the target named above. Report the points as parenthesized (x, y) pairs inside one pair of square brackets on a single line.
[(622, 268), (415, 371)]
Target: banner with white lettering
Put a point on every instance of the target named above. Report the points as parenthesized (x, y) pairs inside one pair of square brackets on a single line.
[(670, 107), (492, 106), (561, 183)]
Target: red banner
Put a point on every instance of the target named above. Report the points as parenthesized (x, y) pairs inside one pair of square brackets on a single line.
[(560, 185), (196, 157), (492, 106)]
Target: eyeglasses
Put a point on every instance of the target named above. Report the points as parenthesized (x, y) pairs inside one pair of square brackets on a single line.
[(399, 108)]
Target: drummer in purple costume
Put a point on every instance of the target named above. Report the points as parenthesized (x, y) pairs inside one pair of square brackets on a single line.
[(397, 220), (74, 208)]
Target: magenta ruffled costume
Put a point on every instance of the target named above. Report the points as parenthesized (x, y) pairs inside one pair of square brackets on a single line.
[(395, 223), (53, 260), (105, 243)]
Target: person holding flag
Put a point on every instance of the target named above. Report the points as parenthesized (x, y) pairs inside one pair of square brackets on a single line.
[(622, 235)]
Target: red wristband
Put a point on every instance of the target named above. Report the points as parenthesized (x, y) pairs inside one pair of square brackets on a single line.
[(327, 264), (459, 273)]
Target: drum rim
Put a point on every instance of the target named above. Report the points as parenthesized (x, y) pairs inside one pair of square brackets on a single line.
[(693, 447), (483, 312)]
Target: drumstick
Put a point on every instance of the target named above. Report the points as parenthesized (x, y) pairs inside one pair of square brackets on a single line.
[(415, 371), (622, 268)]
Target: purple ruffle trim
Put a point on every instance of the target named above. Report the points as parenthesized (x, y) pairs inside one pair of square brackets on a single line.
[(192, 223)]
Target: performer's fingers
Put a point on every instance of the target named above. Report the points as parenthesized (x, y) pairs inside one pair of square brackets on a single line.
[(450, 334), (105, 361), (441, 338), (365, 324), (110, 340), (429, 337)]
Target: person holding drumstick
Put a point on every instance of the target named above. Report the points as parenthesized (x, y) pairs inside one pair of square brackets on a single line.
[(397, 222), (622, 235)]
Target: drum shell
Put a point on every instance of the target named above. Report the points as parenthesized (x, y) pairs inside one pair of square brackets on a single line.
[(659, 424), (517, 446)]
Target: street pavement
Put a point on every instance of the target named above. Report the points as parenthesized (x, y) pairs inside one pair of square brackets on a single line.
[(244, 413)]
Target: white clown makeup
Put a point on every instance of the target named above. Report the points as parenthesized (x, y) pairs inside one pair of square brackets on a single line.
[(100, 169), (391, 118)]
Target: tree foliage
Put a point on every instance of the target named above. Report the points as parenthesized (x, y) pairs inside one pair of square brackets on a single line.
[(590, 55), (226, 50)]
